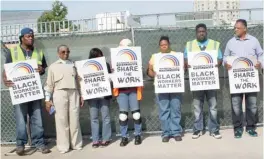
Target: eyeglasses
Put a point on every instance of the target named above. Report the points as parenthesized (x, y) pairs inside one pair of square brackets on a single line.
[(64, 52)]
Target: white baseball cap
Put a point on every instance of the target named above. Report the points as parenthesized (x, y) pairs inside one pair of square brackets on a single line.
[(125, 42)]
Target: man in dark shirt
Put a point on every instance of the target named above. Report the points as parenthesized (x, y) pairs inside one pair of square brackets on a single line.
[(25, 51)]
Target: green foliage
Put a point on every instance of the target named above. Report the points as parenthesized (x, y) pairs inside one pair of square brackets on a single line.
[(57, 19)]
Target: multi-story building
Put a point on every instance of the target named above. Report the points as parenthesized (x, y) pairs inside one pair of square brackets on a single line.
[(222, 17)]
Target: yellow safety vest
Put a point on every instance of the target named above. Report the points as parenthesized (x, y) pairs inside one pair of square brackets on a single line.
[(192, 46), (18, 55)]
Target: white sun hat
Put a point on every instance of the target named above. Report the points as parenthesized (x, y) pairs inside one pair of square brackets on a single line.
[(125, 42)]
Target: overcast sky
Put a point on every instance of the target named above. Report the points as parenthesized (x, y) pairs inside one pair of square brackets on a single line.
[(88, 9)]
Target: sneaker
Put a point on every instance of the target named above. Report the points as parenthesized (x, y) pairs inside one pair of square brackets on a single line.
[(138, 140), (252, 133), (63, 152), (20, 151), (96, 144), (238, 133), (124, 141), (197, 134), (178, 138), (216, 135), (44, 150), (165, 139)]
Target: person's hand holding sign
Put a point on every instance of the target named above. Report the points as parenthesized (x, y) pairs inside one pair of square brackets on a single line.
[(39, 69), (227, 66), (7, 82), (258, 65)]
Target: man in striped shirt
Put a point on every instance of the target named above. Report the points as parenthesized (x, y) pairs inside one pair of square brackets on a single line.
[(243, 45)]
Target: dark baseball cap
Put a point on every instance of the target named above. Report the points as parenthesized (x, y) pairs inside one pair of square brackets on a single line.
[(26, 31)]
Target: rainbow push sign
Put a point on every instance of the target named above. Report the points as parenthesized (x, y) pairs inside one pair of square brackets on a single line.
[(169, 72), (27, 85), (95, 80), (127, 63), (203, 74), (22, 68), (93, 65), (243, 77)]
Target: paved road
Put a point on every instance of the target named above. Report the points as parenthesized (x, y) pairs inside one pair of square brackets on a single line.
[(205, 147)]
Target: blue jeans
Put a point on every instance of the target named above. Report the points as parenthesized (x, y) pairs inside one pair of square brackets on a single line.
[(198, 101), (33, 109), (251, 110), (102, 105), (170, 113), (128, 101)]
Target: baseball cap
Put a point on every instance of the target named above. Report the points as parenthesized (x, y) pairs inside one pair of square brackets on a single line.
[(26, 31)]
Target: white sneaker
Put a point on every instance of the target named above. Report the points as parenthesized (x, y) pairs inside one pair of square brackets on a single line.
[(63, 152), (197, 134), (216, 135)]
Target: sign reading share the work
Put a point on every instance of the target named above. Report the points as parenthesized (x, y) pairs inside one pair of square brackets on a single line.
[(95, 79), (243, 76), (203, 75), (127, 65), (169, 73), (27, 85)]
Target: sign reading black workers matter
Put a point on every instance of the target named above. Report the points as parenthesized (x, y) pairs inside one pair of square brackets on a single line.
[(169, 73), (203, 74), (27, 84)]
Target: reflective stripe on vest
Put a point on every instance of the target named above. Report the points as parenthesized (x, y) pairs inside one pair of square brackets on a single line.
[(190, 47), (38, 57)]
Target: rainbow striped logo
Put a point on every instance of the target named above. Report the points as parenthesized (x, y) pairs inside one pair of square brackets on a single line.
[(127, 54), (203, 58), (94, 65), (169, 60), (23, 68), (242, 62)]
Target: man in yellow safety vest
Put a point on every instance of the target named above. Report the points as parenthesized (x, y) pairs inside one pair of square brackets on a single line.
[(202, 43), (25, 51)]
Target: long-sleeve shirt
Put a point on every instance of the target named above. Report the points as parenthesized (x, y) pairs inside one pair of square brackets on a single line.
[(249, 46), (60, 77)]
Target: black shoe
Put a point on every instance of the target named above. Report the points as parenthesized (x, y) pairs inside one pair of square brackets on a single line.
[(44, 150), (252, 133), (216, 135), (138, 140), (124, 141), (197, 134), (96, 144), (166, 139), (178, 138), (20, 151), (238, 134)]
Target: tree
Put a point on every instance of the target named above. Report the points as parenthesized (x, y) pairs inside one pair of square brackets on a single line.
[(56, 18)]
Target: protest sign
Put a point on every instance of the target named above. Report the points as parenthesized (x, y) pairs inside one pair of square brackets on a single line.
[(27, 84), (243, 76), (95, 80), (203, 74), (127, 65), (169, 73)]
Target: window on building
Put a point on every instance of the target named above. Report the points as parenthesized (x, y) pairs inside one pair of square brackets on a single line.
[(227, 7)]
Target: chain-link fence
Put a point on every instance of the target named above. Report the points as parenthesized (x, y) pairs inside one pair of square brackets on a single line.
[(147, 38)]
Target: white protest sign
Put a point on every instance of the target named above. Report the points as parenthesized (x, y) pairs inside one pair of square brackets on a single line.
[(243, 76), (203, 74), (127, 65), (27, 84), (169, 73), (95, 80)]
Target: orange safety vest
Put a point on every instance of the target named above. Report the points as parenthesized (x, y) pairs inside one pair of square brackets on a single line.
[(139, 92)]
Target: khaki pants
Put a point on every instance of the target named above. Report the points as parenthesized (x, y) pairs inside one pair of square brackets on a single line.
[(68, 129)]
